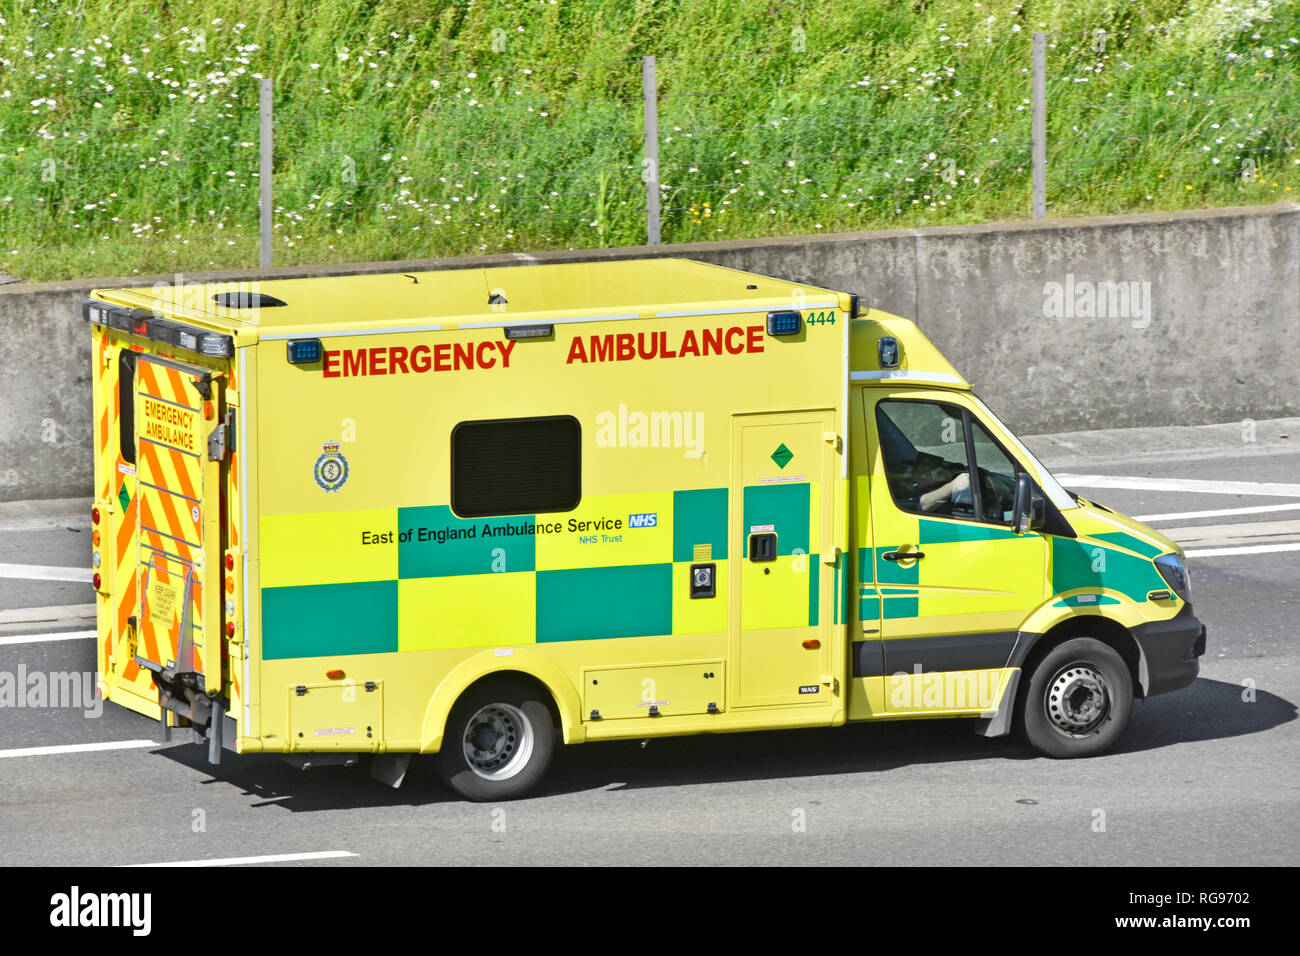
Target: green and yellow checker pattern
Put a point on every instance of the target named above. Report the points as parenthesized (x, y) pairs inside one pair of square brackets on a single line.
[(420, 578)]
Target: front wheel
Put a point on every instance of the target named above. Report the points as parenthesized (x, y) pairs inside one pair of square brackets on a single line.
[(1077, 700), (499, 741)]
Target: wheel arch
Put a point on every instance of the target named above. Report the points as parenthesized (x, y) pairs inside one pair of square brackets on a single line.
[(1104, 629), (553, 687)]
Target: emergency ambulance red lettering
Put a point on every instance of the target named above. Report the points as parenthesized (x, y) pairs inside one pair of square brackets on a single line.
[(626, 346), (399, 360)]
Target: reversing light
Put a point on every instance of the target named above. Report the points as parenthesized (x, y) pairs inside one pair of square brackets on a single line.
[(786, 322), (304, 351)]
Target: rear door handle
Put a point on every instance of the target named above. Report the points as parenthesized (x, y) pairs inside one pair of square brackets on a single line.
[(902, 555)]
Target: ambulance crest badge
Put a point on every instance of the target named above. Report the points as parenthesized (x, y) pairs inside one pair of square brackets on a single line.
[(331, 469)]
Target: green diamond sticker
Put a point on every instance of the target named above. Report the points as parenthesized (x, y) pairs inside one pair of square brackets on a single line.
[(782, 456), (124, 497)]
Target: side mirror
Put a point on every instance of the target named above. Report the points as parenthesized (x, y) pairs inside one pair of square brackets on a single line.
[(1029, 512)]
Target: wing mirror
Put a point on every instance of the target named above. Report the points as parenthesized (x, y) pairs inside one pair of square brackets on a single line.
[(1030, 509)]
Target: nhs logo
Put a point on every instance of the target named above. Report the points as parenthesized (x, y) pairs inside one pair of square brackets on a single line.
[(643, 521)]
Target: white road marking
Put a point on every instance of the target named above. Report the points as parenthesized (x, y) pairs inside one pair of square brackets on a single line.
[(40, 638), (241, 860), (1248, 549), (78, 748), (1230, 535), (1273, 489), (1217, 512), (42, 615), (40, 572)]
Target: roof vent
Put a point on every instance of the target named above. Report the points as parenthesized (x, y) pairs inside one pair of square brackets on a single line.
[(246, 300)]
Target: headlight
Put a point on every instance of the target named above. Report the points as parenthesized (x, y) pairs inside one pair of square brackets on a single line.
[(1174, 570)]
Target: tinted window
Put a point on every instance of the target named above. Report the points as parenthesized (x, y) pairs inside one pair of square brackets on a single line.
[(126, 404), (516, 466)]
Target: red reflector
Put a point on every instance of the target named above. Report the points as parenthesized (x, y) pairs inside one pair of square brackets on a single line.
[(230, 629), (230, 562), (94, 515), (334, 675), (812, 645), (95, 580)]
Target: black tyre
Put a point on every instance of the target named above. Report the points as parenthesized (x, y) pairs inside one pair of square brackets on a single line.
[(499, 742), (1077, 701)]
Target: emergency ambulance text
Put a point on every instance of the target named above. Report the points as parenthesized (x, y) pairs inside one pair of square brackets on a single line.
[(399, 360), (626, 346), (168, 424)]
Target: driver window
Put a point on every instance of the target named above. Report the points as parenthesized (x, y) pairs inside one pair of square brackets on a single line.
[(924, 447), (997, 474)]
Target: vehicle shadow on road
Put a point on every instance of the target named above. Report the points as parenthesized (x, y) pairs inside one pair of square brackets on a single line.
[(1207, 710)]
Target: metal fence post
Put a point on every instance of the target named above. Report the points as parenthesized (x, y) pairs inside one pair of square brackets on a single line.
[(1040, 126), (650, 165), (265, 212)]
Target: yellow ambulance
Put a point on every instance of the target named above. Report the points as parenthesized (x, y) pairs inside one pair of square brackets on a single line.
[(473, 514)]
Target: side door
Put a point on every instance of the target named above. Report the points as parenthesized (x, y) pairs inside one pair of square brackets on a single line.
[(782, 510), (955, 581), (179, 517)]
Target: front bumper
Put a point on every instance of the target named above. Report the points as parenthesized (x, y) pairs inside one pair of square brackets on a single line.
[(1170, 651)]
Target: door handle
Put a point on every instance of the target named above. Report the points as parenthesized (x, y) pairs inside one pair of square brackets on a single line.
[(902, 555)]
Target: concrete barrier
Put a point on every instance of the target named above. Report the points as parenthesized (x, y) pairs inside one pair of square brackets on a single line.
[(1154, 319)]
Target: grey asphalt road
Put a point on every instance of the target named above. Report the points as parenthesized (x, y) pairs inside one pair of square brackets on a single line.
[(1207, 775)]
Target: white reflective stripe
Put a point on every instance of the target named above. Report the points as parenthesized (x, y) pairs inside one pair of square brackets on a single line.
[(336, 334), (623, 317), (901, 376), (784, 307), (242, 439)]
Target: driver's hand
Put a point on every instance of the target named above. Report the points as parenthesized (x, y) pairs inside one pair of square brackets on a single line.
[(960, 484)]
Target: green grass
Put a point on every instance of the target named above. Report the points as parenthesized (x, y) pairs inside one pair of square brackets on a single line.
[(128, 138)]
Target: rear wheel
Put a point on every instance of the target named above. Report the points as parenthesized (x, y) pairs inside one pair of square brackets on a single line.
[(1077, 701), (499, 742)]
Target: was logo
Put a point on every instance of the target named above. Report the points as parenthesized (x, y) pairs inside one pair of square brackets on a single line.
[(331, 469)]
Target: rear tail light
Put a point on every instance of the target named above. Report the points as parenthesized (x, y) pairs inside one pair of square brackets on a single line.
[(95, 579), (94, 515)]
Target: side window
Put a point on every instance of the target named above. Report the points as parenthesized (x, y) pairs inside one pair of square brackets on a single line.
[(928, 448), (997, 476), (516, 466), (926, 466), (126, 404)]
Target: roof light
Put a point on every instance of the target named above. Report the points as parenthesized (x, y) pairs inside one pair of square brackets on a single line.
[(222, 346), (888, 351), (529, 331), (787, 322)]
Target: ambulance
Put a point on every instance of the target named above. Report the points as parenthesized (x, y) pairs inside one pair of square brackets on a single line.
[(463, 517)]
